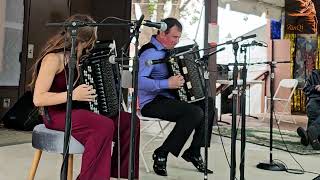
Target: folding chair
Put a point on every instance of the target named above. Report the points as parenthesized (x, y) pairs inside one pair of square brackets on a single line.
[(126, 77), (284, 84)]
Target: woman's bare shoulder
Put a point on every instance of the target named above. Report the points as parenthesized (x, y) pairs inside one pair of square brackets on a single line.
[(53, 60)]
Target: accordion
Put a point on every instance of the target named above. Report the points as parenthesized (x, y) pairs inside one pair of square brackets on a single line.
[(182, 62), (96, 70)]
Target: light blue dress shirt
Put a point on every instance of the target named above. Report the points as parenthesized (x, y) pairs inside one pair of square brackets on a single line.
[(153, 79)]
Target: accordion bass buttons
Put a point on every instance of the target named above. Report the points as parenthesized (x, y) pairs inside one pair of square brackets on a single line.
[(189, 86), (185, 70), (89, 69)]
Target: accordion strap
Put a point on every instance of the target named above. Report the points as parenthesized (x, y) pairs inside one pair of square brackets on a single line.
[(146, 47)]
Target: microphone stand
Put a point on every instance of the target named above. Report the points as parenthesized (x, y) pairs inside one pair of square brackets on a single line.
[(205, 71), (235, 47), (244, 72), (239, 39), (134, 99), (271, 165), (68, 128), (73, 28), (243, 112), (204, 66)]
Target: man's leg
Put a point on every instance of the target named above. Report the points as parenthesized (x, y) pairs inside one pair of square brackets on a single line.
[(186, 117), (313, 136), (192, 154), (313, 127), (198, 137), (313, 111)]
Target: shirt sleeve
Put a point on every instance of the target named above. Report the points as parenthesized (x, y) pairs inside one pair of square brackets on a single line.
[(145, 82)]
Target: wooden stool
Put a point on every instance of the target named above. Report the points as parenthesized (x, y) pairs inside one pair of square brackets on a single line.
[(44, 139)]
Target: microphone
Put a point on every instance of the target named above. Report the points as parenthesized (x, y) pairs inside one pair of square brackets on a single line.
[(114, 60), (157, 61), (254, 43), (241, 38), (162, 26)]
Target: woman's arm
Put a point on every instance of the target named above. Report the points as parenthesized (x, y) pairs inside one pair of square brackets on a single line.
[(50, 66)]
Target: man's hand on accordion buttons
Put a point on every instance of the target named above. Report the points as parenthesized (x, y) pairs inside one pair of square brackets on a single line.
[(84, 92), (176, 82)]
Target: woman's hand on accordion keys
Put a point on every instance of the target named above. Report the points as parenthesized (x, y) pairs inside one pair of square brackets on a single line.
[(176, 82), (84, 92)]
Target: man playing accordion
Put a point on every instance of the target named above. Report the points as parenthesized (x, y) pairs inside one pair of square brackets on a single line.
[(156, 100)]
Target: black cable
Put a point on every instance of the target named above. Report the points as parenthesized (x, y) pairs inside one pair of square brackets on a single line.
[(291, 170), (115, 18)]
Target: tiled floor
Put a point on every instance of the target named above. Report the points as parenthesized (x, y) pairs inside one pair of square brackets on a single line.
[(18, 158)]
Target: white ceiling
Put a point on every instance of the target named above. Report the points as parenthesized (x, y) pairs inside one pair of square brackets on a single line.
[(272, 8)]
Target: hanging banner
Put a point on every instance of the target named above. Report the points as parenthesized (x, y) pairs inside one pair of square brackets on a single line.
[(301, 16), (305, 57)]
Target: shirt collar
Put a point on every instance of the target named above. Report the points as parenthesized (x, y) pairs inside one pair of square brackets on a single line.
[(156, 43)]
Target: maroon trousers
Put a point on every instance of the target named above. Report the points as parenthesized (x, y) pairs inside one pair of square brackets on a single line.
[(96, 133)]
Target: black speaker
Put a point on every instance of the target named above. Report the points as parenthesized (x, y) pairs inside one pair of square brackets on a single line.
[(23, 115)]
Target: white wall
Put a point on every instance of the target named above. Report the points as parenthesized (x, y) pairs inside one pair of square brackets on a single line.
[(13, 32), (2, 28)]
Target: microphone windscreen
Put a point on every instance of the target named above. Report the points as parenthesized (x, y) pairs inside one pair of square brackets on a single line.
[(163, 26), (112, 59), (126, 79)]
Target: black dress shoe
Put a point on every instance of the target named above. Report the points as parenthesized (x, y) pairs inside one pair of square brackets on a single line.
[(304, 136), (159, 164), (196, 161), (313, 135)]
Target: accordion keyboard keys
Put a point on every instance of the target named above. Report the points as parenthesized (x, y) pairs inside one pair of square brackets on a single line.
[(183, 63), (96, 70)]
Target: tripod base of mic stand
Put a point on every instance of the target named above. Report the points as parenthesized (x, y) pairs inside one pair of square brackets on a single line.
[(273, 166), (317, 178)]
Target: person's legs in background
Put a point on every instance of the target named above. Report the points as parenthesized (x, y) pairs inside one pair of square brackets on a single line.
[(311, 135)]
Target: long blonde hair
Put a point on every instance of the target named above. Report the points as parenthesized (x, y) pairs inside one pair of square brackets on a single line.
[(62, 40)]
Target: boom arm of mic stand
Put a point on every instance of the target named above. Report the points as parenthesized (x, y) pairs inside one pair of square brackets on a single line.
[(125, 47), (83, 24)]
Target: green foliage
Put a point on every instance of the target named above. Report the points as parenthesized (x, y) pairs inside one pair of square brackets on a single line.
[(151, 6)]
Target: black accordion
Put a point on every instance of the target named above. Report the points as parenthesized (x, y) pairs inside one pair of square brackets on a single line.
[(96, 70), (182, 62)]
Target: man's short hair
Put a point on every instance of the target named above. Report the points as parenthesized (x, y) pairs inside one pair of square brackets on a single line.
[(170, 23)]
